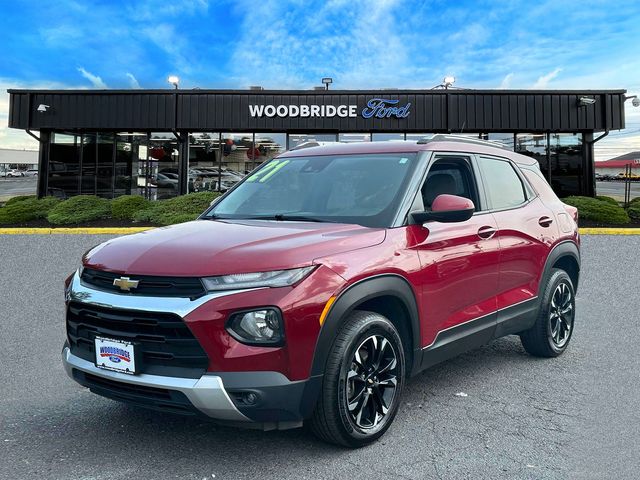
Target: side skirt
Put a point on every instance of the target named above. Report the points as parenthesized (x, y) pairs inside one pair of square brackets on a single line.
[(475, 333)]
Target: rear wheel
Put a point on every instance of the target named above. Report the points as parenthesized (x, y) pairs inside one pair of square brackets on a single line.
[(550, 335), (362, 383)]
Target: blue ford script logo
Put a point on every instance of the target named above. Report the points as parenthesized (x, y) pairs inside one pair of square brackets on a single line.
[(385, 108), (114, 359)]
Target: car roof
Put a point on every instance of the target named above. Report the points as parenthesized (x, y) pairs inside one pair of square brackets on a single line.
[(438, 144)]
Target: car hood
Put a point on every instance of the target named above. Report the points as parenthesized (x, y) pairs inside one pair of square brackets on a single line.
[(220, 247)]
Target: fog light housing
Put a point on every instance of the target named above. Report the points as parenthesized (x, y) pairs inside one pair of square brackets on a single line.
[(257, 327)]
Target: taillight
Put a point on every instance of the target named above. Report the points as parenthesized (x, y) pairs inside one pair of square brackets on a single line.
[(572, 211)]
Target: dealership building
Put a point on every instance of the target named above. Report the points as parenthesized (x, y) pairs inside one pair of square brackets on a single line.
[(162, 143)]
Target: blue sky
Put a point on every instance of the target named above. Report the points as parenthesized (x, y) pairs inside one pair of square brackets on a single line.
[(292, 44)]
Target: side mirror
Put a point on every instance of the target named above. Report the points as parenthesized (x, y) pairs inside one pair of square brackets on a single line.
[(447, 209)]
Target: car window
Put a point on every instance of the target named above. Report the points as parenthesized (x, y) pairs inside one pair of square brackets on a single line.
[(449, 175), (503, 185), (363, 189)]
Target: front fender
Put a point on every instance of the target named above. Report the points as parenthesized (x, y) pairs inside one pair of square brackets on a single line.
[(355, 295)]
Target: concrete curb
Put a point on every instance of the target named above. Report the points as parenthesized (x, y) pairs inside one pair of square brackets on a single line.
[(128, 230), (609, 231), (73, 231)]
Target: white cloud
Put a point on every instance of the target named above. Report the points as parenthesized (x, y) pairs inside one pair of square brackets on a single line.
[(95, 80), (544, 80), (133, 81), (506, 81)]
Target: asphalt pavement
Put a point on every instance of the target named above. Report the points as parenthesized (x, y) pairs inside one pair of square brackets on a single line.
[(14, 186), (616, 189), (492, 413)]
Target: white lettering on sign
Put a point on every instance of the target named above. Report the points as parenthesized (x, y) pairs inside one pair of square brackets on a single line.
[(303, 111)]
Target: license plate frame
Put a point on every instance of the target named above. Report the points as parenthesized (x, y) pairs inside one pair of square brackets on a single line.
[(115, 355)]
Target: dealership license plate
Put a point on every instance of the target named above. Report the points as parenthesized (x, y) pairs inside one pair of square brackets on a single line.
[(116, 355)]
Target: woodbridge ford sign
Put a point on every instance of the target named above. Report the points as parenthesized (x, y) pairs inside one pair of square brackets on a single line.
[(376, 108)]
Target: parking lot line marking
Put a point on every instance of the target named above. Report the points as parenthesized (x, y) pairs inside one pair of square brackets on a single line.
[(73, 231)]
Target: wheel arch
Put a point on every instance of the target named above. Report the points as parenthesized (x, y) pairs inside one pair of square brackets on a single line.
[(565, 256), (390, 295)]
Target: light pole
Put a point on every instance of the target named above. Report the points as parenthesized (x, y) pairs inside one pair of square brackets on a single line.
[(327, 81)]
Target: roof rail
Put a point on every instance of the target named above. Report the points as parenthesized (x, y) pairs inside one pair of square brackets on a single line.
[(453, 138), (312, 143)]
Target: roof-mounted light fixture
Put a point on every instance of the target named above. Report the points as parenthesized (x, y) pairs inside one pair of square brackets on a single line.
[(448, 81), (586, 101), (635, 102), (174, 80), (327, 81)]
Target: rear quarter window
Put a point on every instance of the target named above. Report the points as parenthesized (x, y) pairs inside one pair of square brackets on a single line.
[(540, 185)]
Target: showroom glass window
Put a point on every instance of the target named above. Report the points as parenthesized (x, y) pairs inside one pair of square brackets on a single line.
[(387, 137), (160, 169), (269, 145), (296, 139), (566, 160), (534, 145), (238, 153), (105, 164), (64, 165), (354, 137), (204, 161), (131, 151), (504, 139)]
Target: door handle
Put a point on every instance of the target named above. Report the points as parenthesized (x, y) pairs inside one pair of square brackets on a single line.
[(545, 221), (486, 232)]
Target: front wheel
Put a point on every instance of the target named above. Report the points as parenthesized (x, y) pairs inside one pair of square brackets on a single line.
[(362, 383), (550, 335)]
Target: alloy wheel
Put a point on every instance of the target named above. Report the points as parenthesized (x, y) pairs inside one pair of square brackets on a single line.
[(561, 315), (372, 382)]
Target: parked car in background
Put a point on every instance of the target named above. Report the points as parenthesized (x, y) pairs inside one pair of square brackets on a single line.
[(14, 172), (32, 172), (313, 290)]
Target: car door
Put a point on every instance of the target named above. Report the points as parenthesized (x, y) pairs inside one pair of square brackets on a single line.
[(525, 233), (459, 261)]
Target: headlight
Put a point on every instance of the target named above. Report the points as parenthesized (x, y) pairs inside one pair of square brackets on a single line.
[(257, 327), (237, 281)]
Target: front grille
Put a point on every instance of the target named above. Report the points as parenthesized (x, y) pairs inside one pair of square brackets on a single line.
[(164, 344), (149, 397), (149, 285)]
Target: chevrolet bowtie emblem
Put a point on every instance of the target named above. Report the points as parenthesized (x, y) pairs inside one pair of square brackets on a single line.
[(125, 283)]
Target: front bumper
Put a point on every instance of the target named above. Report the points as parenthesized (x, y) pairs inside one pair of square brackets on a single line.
[(206, 394), (279, 403)]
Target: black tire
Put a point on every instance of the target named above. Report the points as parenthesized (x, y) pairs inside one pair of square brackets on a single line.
[(334, 420), (550, 335)]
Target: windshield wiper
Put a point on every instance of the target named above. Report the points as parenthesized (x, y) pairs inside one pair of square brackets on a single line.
[(282, 217)]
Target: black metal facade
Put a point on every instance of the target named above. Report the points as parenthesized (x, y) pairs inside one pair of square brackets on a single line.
[(542, 114), (228, 110)]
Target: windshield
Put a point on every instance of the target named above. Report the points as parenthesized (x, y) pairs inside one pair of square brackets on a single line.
[(361, 189)]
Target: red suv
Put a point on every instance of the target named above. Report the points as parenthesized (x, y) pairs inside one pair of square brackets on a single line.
[(314, 288)]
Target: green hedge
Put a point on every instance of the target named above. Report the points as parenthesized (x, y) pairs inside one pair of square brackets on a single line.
[(126, 206), (176, 210), (634, 211), (19, 198), (80, 209), (85, 208), (25, 209), (610, 200), (598, 210)]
